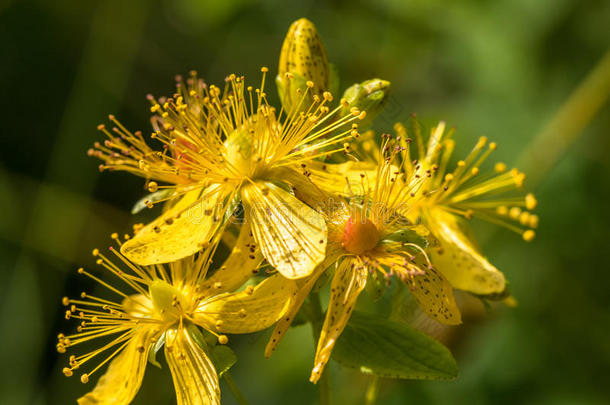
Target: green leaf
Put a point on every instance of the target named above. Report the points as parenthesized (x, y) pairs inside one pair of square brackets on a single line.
[(392, 350), (223, 358)]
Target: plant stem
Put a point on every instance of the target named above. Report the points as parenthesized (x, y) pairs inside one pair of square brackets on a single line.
[(372, 391), (563, 129), (317, 319), (237, 394)]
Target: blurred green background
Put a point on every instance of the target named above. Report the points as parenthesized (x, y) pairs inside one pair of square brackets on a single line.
[(497, 68)]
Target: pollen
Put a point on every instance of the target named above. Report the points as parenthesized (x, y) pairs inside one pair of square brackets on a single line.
[(360, 236)]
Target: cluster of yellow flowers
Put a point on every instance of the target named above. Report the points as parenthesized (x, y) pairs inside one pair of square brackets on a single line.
[(299, 196)]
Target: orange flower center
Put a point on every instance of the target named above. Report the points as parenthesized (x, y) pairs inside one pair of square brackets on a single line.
[(360, 235)]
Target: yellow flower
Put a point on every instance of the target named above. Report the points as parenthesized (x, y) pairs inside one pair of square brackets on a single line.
[(225, 147), (450, 196), (165, 304), (365, 235)]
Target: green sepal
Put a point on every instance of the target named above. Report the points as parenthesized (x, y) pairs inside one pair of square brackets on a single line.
[(223, 358), (152, 354), (407, 236), (392, 350), (200, 338), (152, 197), (370, 96), (376, 285)]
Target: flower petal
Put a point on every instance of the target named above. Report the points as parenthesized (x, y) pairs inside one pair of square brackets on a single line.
[(242, 263), (121, 382), (459, 260), (194, 375), (291, 236), (334, 177), (434, 294), (248, 311), (348, 282), (304, 286), (138, 306), (180, 231)]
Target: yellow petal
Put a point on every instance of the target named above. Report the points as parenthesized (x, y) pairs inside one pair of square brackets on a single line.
[(138, 306), (291, 236), (334, 177), (181, 230), (434, 294), (241, 264), (194, 375), (348, 283), (458, 260), (304, 286), (248, 311), (121, 382), (304, 189)]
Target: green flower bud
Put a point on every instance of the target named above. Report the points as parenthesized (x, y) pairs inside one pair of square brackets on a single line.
[(370, 96), (303, 58)]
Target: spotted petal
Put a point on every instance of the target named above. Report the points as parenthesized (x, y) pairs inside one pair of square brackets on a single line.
[(194, 375), (348, 282), (291, 236), (121, 382), (241, 264), (248, 311), (181, 230), (458, 260)]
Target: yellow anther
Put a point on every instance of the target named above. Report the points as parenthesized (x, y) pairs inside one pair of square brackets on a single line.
[(530, 201), (493, 146), (474, 171), (502, 210), (67, 371), (95, 252), (534, 221), (529, 235), (249, 290), (514, 212), (84, 378), (152, 186), (264, 69), (524, 218), (223, 339), (500, 167), (309, 84), (65, 301)]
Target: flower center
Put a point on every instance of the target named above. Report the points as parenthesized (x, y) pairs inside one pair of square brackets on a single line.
[(360, 235), (167, 300)]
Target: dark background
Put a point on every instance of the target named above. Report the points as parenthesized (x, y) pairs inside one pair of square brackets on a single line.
[(497, 68)]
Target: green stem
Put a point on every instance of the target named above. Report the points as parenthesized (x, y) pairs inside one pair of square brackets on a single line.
[(317, 319), (237, 394), (372, 391), (563, 129)]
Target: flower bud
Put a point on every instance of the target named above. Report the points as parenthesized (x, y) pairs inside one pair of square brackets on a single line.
[(303, 58), (370, 96)]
